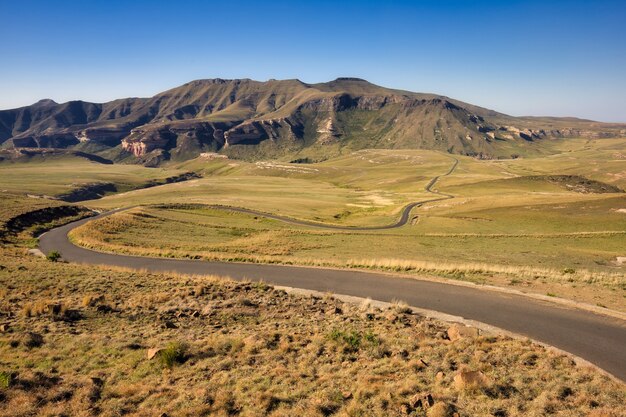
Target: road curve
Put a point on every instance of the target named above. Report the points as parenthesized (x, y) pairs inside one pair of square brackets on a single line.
[(598, 339), (404, 216)]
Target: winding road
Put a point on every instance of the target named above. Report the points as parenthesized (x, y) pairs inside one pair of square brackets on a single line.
[(596, 338), (404, 216)]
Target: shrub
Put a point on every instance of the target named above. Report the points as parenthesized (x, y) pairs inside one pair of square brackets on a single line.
[(53, 256), (5, 380), (351, 340), (174, 353), (569, 271)]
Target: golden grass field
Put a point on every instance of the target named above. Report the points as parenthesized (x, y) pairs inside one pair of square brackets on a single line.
[(75, 340), (509, 223)]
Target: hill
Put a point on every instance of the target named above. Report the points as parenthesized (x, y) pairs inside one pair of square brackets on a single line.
[(280, 118), (82, 341)]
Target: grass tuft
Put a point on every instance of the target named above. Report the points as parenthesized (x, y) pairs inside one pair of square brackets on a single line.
[(174, 354), (53, 256)]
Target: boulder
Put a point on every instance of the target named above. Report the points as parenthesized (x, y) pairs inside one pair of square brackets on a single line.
[(170, 325), (470, 379), (458, 331), (421, 400), (152, 352)]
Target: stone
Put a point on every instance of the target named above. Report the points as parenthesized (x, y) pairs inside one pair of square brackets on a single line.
[(405, 409), (33, 340), (170, 325), (336, 310), (470, 379), (391, 316), (4, 328), (152, 352), (37, 253), (458, 331), (421, 400)]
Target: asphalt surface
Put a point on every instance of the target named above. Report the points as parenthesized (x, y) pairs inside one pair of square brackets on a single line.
[(404, 216), (596, 338)]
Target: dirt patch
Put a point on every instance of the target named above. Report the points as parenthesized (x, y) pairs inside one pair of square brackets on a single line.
[(378, 200)]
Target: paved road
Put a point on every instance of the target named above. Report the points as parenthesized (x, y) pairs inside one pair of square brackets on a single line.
[(596, 338), (404, 216)]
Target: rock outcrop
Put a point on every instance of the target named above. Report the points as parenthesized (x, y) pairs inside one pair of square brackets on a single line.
[(250, 119)]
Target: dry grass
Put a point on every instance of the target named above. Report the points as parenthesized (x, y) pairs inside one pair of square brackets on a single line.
[(243, 348), (602, 288), (452, 269)]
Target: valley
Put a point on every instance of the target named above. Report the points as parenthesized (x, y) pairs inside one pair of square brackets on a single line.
[(531, 227)]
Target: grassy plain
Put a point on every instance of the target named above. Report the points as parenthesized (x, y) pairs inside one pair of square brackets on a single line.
[(507, 225), (59, 175), (76, 340)]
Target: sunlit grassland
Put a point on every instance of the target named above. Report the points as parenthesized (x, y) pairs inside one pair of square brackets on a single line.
[(297, 198), (366, 188), (59, 175), (566, 261), (244, 348), (13, 205), (501, 227)]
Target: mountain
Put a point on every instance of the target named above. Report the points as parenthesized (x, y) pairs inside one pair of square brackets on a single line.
[(279, 118)]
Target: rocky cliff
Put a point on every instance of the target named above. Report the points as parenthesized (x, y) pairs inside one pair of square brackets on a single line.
[(251, 119)]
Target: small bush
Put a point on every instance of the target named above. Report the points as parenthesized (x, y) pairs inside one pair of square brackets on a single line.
[(351, 340), (92, 300), (43, 307), (5, 380), (53, 256), (174, 353), (372, 339), (401, 307), (569, 271), (33, 340)]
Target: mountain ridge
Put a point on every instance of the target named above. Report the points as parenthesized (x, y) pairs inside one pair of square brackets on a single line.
[(250, 119)]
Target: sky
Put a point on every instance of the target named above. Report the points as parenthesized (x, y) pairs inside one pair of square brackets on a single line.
[(556, 58)]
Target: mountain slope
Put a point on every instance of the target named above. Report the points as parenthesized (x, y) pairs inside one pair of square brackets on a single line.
[(279, 118)]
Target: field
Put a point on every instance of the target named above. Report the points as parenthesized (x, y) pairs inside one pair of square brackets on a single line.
[(58, 175), (87, 340), (558, 228), (81, 341)]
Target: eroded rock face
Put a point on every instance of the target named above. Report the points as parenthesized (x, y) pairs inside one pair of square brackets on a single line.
[(274, 116), (58, 140), (107, 136), (143, 141), (252, 133)]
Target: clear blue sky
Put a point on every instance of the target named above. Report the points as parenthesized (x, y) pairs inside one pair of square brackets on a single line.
[(519, 57)]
